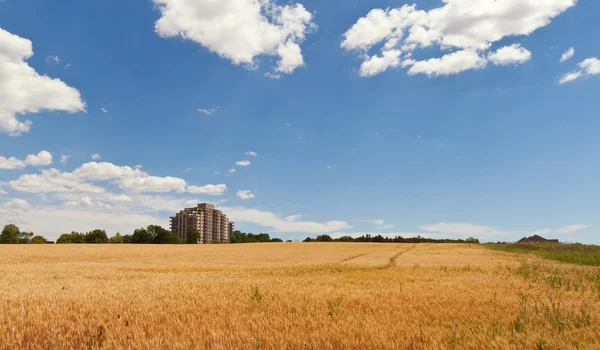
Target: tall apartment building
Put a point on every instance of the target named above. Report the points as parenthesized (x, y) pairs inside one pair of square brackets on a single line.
[(213, 225)]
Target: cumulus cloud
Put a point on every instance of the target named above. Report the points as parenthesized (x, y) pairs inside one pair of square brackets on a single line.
[(96, 156), (208, 189), (252, 154), (127, 178), (513, 54), (586, 68), (379, 64), (453, 63), (240, 30), (465, 28), (15, 205), (232, 170), (23, 90), (64, 158), (243, 163), (40, 159), (567, 55), (279, 224), (246, 194)]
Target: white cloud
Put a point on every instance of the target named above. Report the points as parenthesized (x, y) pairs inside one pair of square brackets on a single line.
[(208, 189), (252, 154), (513, 54), (243, 163), (52, 59), (462, 230), (232, 170), (573, 228), (377, 64), (52, 221), (588, 67), (123, 198), (567, 55), (96, 156), (240, 30), (453, 63), (104, 110), (64, 158), (278, 224), (541, 232), (386, 226), (245, 194), (16, 204), (41, 159), (466, 27), (206, 111), (52, 181), (23, 90), (217, 172)]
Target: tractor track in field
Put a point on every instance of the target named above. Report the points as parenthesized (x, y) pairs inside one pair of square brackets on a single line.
[(393, 259)]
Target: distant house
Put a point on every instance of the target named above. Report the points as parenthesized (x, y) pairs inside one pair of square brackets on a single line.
[(537, 239)]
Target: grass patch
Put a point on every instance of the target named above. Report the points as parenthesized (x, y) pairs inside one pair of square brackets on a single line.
[(579, 254)]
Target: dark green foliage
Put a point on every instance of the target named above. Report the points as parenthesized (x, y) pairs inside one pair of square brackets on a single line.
[(289, 241), (10, 235), (324, 238), (142, 236), (127, 239), (241, 237), (381, 239), (96, 237), (193, 236), (38, 240), (276, 240), (570, 253), (116, 239), (162, 236)]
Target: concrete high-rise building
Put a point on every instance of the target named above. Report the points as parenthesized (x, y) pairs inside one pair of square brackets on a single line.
[(211, 223)]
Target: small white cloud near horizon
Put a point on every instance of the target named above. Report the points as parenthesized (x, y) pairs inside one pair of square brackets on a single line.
[(567, 55), (104, 110), (96, 156), (243, 163), (213, 190), (245, 194), (232, 170), (586, 68), (252, 154), (507, 55), (573, 228), (217, 172)]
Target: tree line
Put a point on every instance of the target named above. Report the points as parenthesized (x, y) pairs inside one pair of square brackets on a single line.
[(152, 234), (397, 239)]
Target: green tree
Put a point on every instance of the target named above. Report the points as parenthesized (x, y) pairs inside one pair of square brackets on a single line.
[(162, 236), (142, 236), (324, 238), (127, 239), (65, 238), (25, 237), (38, 240), (96, 236), (116, 239), (193, 236), (345, 239), (276, 240), (472, 240), (10, 234), (78, 238)]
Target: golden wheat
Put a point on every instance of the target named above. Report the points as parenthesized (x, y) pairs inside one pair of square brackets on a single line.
[(293, 296)]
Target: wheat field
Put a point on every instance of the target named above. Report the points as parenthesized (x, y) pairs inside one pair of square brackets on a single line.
[(293, 296)]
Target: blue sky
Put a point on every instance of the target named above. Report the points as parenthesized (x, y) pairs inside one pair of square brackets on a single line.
[(365, 116)]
